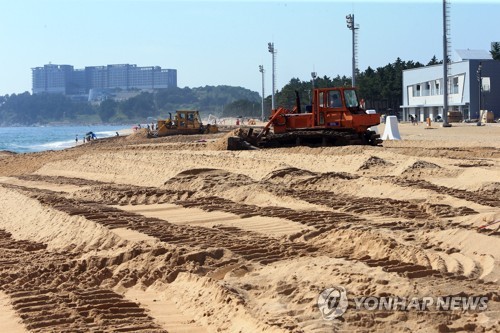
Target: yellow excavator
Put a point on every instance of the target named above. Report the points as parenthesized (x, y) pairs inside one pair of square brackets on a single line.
[(184, 122)]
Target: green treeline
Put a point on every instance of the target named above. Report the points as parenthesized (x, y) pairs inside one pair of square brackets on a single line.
[(27, 109), (381, 89)]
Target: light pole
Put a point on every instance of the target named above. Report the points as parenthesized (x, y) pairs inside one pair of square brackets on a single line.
[(261, 69), (272, 50), (445, 65), (353, 27), (479, 79)]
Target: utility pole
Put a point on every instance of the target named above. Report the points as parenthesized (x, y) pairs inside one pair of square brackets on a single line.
[(353, 27), (272, 50), (479, 80), (261, 69)]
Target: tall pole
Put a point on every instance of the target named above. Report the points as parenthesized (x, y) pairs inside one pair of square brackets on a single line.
[(445, 65), (272, 50), (479, 79), (261, 69), (352, 26)]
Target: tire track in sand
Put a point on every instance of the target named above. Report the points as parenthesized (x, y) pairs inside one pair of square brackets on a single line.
[(47, 298), (248, 245)]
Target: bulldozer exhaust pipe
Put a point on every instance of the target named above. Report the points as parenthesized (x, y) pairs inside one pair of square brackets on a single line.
[(297, 101)]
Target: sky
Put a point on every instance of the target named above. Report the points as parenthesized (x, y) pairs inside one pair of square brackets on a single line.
[(224, 42)]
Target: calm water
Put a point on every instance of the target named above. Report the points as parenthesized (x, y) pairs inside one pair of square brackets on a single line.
[(33, 139)]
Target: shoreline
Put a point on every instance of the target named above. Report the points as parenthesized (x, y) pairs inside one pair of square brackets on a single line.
[(60, 141)]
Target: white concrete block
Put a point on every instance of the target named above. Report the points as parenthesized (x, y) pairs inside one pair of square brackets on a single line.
[(391, 131)]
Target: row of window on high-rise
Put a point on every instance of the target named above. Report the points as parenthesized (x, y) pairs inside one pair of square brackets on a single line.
[(65, 79)]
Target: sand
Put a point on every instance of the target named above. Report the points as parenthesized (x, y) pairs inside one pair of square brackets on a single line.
[(178, 234)]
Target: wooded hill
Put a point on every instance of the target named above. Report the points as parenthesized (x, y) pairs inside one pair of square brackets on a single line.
[(28, 109)]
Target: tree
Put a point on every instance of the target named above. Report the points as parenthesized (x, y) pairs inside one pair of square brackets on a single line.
[(107, 109), (434, 61), (242, 107), (495, 51)]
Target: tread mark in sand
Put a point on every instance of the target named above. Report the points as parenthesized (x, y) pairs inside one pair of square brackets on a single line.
[(46, 301)]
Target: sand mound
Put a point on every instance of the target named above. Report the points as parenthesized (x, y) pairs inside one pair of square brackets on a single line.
[(374, 162), (139, 135), (490, 187), (208, 180), (224, 142), (287, 174), (423, 165), (422, 168), (296, 176)]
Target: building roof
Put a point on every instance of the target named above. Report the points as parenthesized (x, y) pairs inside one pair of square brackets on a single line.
[(473, 54)]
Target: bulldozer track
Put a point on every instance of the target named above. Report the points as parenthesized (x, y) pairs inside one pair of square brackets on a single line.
[(321, 138), (78, 303), (61, 180), (245, 244), (44, 293), (323, 221), (248, 245), (378, 206), (386, 206), (486, 198)]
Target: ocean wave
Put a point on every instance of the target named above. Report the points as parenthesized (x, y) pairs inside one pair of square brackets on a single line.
[(56, 145), (36, 139), (105, 134)]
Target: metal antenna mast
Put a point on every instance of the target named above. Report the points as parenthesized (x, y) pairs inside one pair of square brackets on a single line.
[(353, 27), (261, 69), (272, 50)]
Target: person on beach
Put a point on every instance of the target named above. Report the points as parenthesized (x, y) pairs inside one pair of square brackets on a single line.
[(76, 139)]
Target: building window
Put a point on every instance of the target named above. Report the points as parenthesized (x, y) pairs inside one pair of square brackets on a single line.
[(427, 89), (416, 90), (455, 85)]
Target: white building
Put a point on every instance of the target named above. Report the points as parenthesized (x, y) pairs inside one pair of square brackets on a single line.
[(423, 87)]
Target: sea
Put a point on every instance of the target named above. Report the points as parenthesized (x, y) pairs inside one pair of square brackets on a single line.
[(42, 138)]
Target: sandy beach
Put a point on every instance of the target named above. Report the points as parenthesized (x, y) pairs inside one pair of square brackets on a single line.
[(176, 234)]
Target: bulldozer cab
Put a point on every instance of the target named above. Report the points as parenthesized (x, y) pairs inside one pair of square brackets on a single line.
[(187, 119), (335, 98)]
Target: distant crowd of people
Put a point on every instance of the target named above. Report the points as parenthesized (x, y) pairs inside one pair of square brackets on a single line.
[(89, 136), (149, 127)]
